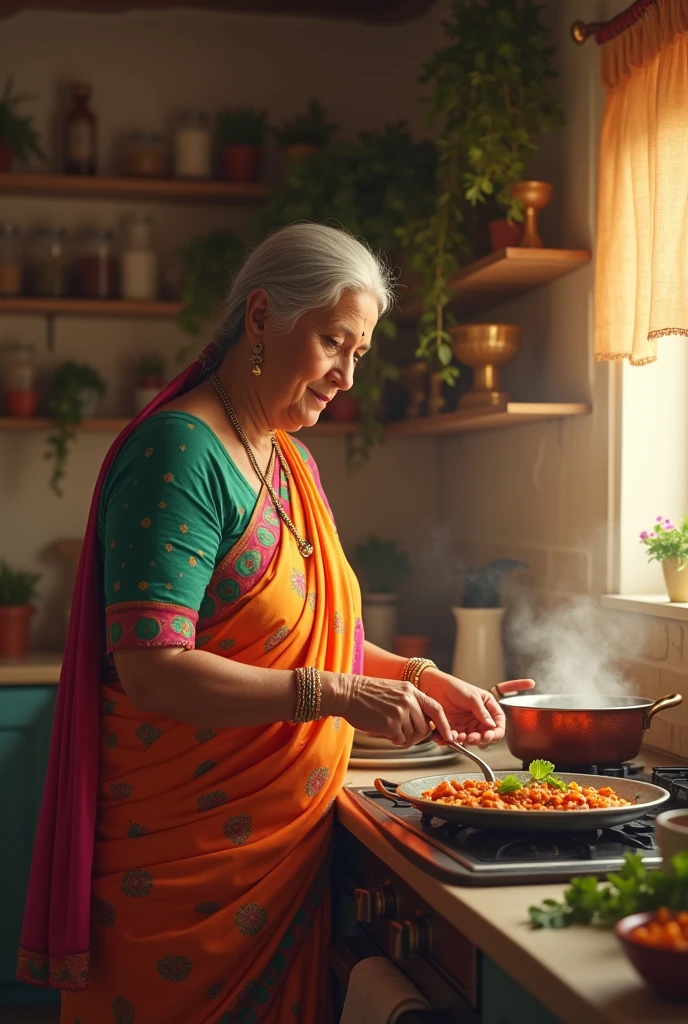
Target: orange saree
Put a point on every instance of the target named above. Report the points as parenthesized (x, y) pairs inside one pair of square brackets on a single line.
[(210, 874)]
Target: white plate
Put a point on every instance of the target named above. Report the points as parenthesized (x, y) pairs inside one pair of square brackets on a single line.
[(405, 760)]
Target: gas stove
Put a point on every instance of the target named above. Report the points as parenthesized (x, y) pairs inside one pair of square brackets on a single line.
[(480, 857)]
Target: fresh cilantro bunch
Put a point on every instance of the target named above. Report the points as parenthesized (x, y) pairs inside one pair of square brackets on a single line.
[(540, 771), (632, 889)]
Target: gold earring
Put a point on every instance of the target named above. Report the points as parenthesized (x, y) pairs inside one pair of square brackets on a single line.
[(257, 359)]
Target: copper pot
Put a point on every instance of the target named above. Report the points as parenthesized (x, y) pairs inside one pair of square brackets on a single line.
[(572, 730)]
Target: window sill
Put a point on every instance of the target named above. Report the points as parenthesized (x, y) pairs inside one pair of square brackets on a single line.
[(646, 604)]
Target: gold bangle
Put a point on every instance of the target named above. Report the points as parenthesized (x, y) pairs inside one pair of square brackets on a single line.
[(414, 668), (308, 696)]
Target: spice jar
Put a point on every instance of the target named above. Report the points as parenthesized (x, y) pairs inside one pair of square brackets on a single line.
[(19, 394), (145, 155), (97, 265), (48, 262), (192, 146), (139, 261), (10, 259)]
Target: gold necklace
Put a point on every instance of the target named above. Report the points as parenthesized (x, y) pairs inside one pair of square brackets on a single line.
[(305, 546)]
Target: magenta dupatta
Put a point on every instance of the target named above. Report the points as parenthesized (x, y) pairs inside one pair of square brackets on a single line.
[(54, 950)]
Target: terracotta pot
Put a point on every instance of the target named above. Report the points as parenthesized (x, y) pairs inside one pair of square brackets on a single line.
[(504, 235), (14, 629), (344, 409), (676, 579), (240, 163), (22, 404), (412, 646), (6, 157)]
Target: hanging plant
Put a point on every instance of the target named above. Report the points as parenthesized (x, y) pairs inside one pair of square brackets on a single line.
[(490, 96), (73, 386)]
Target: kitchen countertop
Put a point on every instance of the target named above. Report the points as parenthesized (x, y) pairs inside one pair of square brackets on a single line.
[(578, 973), (37, 668)]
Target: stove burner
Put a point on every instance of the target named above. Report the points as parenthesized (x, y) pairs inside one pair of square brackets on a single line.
[(616, 771), (675, 780)]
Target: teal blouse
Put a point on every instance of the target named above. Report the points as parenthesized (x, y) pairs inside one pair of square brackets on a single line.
[(173, 505)]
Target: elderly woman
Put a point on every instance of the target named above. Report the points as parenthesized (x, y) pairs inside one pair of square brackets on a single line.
[(217, 623)]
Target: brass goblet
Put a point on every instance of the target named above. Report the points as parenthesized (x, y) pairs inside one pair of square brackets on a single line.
[(485, 347), (412, 377), (534, 195)]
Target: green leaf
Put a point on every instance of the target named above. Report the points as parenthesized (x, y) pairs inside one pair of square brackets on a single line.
[(509, 784), (540, 769), (554, 780)]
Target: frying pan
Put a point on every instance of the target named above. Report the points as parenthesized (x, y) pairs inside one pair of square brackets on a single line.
[(643, 797)]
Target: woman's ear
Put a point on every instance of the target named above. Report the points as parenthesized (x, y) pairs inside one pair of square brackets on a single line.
[(256, 315)]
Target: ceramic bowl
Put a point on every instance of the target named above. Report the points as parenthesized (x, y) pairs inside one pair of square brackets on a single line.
[(664, 970)]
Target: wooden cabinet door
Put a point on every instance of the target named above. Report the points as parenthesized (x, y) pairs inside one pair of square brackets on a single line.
[(26, 716)]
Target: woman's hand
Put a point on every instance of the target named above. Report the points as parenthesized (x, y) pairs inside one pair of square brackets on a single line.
[(396, 710), (473, 714)]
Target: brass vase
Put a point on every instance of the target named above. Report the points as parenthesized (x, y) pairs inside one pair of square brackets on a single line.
[(534, 195), (412, 377), (485, 347)]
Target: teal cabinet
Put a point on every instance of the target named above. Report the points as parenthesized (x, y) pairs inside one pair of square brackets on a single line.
[(503, 1001), (26, 716)]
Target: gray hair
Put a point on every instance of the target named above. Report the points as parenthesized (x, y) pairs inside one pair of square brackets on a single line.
[(302, 267)]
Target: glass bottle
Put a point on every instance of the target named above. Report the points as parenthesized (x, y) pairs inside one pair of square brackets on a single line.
[(139, 261), (97, 265), (145, 155), (49, 262), (10, 259), (192, 146), (19, 394), (80, 133)]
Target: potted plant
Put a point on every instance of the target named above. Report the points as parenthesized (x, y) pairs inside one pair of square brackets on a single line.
[(19, 139), (17, 591), (667, 544), (304, 135), (151, 380), (491, 100), (240, 137), (383, 567), (74, 394), (479, 651), (206, 263), (378, 186)]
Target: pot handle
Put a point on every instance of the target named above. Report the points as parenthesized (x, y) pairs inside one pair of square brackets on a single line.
[(663, 704)]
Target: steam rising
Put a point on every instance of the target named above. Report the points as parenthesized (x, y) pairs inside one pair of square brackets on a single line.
[(574, 648)]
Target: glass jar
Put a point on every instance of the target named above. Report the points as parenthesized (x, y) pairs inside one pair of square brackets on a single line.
[(145, 155), (192, 146), (18, 367), (139, 261), (97, 265), (49, 262), (10, 259)]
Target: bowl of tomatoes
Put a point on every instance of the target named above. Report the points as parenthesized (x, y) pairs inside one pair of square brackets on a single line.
[(656, 943)]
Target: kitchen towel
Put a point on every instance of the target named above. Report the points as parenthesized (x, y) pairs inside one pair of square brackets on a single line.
[(378, 993)]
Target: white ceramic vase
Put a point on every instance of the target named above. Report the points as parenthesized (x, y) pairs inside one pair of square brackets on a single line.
[(380, 619), (479, 650), (89, 399)]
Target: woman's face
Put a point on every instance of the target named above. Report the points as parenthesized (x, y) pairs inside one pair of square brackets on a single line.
[(304, 369)]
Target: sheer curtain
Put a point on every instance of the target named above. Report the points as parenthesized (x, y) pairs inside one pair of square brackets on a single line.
[(641, 284)]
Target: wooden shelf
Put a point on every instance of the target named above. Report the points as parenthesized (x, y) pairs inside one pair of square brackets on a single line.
[(504, 275), (464, 420), (69, 186), (510, 415), (22, 305)]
